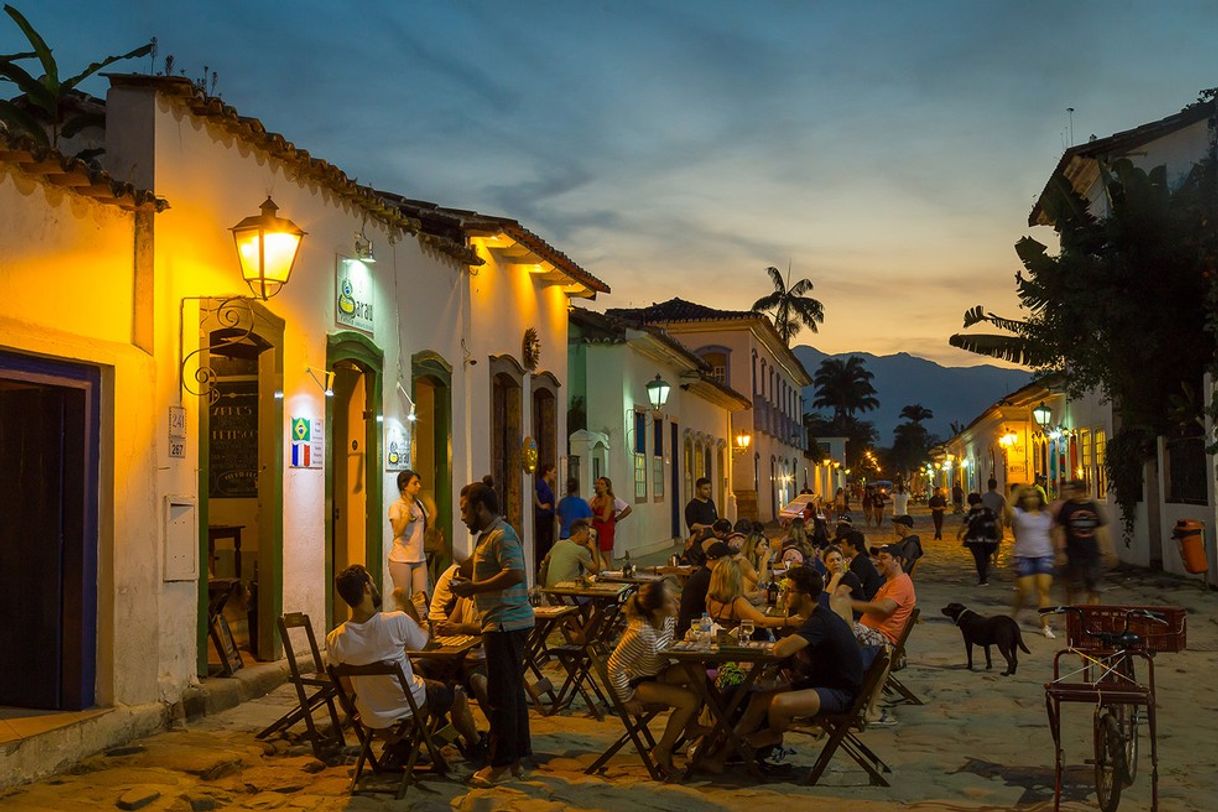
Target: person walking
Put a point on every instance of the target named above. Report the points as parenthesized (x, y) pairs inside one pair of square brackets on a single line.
[(1083, 543), (900, 500), (957, 498), (607, 511), (544, 504), (980, 534), (1033, 552), (878, 501), (407, 556), (867, 498), (938, 506), (500, 590)]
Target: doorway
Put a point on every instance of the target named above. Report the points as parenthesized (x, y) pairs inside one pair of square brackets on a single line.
[(49, 428), (676, 481), (506, 442), (354, 483), (432, 450), (241, 477)]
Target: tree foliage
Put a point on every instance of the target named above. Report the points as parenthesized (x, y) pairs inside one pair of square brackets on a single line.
[(790, 305), (844, 386), (916, 413), (860, 434), (46, 113)]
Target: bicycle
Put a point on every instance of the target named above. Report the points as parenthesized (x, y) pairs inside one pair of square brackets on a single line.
[(1109, 640)]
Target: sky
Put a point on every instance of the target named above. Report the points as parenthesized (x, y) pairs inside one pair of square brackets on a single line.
[(890, 152)]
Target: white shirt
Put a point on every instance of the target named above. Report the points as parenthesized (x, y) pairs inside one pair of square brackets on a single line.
[(384, 637), (640, 653), (408, 547), (443, 596), (900, 504), (1032, 539)]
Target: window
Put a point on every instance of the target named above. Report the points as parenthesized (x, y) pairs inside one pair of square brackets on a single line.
[(640, 457), (1101, 473), (717, 359), (689, 468), (657, 459), (709, 474), (722, 503), (1084, 457)]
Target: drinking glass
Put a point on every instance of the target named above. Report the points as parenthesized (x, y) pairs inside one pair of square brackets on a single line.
[(746, 631)]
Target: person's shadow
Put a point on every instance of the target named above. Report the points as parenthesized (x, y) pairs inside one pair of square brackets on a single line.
[(1078, 782)]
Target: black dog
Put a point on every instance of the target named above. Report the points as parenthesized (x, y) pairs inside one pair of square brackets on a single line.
[(999, 631)]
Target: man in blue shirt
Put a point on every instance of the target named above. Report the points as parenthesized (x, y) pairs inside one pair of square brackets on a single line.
[(571, 507)]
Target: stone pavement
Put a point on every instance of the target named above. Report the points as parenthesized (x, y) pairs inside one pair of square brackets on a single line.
[(981, 741)]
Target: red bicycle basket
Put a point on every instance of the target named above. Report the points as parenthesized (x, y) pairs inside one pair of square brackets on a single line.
[(1155, 636)]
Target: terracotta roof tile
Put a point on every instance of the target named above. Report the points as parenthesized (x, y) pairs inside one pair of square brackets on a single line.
[(73, 174)]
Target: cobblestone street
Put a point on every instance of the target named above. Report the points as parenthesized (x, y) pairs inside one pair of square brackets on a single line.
[(979, 742)]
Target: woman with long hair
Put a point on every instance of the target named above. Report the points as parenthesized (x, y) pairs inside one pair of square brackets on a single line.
[(1033, 552), (640, 674), (727, 604), (408, 518), (841, 586), (607, 511)]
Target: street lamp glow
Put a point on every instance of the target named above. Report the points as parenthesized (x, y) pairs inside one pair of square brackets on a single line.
[(657, 392), (267, 246), (1042, 415)]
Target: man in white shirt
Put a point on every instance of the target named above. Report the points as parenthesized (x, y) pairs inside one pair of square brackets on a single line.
[(373, 636)]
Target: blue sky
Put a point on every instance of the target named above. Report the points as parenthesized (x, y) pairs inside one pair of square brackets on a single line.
[(889, 151)]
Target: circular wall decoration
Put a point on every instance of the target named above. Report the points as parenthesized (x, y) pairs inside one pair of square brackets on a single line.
[(528, 455), (531, 349)]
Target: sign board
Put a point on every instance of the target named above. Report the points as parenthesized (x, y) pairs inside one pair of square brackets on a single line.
[(353, 295), (397, 445), (177, 432), (233, 439), (306, 437)]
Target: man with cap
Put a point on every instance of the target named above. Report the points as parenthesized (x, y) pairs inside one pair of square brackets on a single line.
[(885, 615), (693, 594), (907, 542)]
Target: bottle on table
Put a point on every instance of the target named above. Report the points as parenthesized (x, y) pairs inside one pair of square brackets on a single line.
[(772, 592), (627, 567)]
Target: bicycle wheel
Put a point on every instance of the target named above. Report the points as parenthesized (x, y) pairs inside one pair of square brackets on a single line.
[(1109, 760), (1129, 717)]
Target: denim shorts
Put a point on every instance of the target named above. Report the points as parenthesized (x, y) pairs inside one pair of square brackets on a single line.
[(1039, 565)]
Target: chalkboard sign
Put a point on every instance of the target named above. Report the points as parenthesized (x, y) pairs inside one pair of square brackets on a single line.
[(233, 440)]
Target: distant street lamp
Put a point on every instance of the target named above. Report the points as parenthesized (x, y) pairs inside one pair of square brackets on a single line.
[(744, 440), (1042, 414), (267, 246), (657, 393)]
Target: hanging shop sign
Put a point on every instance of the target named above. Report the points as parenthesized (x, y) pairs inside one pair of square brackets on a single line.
[(353, 291), (232, 448), (307, 438), (397, 445)]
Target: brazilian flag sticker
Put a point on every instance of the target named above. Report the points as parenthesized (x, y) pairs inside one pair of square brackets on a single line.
[(301, 429)]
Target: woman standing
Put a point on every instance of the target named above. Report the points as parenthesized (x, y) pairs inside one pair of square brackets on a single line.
[(607, 511), (543, 510), (641, 675), (878, 501), (980, 534), (937, 505), (408, 517), (900, 500), (1033, 552), (868, 495)]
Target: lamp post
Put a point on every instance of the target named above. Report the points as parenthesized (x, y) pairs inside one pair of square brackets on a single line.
[(1042, 414), (657, 393), (267, 246)]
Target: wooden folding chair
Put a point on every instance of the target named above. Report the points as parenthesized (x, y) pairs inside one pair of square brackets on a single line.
[(413, 733), (637, 731), (893, 685), (314, 688), (839, 732)]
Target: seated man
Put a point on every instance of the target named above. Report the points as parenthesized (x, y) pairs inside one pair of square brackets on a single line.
[(443, 599), (373, 636), (693, 593), (459, 618), (909, 544), (565, 558), (830, 668), (885, 615)]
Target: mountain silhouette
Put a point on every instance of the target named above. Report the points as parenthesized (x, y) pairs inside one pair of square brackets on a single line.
[(952, 393)]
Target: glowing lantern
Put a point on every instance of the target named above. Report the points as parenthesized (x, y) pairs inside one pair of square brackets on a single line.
[(657, 393), (267, 246)]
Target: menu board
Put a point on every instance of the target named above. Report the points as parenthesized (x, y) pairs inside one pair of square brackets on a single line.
[(233, 440)]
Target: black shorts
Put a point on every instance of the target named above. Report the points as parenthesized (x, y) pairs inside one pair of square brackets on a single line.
[(637, 681), (1085, 572), (440, 697), (832, 700)]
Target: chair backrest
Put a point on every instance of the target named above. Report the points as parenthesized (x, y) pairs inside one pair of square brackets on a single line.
[(873, 681), (393, 670), (299, 620), (898, 648), (597, 653)]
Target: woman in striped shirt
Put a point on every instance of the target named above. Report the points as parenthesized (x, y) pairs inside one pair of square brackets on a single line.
[(640, 674)]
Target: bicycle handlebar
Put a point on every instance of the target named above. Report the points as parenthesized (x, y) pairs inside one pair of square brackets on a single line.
[(1129, 613)]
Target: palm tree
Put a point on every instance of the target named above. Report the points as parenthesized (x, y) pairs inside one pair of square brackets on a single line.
[(844, 386), (790, 305), (916, 413), (956, 428), (46, 99)]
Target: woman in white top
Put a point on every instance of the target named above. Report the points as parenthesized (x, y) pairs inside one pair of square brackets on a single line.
[(900, 501), (407, 558), (640, 674), (1033, 551)]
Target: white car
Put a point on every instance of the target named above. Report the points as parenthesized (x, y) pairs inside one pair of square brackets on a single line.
[(798, 507)]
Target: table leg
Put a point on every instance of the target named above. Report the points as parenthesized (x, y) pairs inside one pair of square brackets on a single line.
[(723, 715)]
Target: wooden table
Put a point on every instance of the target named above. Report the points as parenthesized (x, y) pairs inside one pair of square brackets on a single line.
[(598, 605), (215, 532), (545, 619), (446, 648), (724, 704)]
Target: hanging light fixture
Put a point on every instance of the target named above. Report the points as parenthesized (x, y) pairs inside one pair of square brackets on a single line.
[(657, 392), (1042, 414), (267, 246)]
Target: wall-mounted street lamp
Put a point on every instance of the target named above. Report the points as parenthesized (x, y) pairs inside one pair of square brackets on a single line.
[(743, 441), (363, 248), (267, 246), (1042, 414), (657, 393), (324, 378)]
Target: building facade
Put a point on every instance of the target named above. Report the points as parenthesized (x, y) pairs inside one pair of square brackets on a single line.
[(745, 352), (652, 455)]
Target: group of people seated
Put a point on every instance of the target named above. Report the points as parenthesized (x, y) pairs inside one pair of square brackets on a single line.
[(841, 604)]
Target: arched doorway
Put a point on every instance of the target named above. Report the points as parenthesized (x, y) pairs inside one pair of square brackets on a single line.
[(545, 417), (431, 381), (506, 437), (354, 482)]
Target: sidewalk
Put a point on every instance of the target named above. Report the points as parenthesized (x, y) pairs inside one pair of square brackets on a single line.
[(980, 743)]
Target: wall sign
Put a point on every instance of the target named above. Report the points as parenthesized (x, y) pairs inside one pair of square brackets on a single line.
[(177, 432), (232, 446), (307, 437), (397, 446), (353, 295)]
